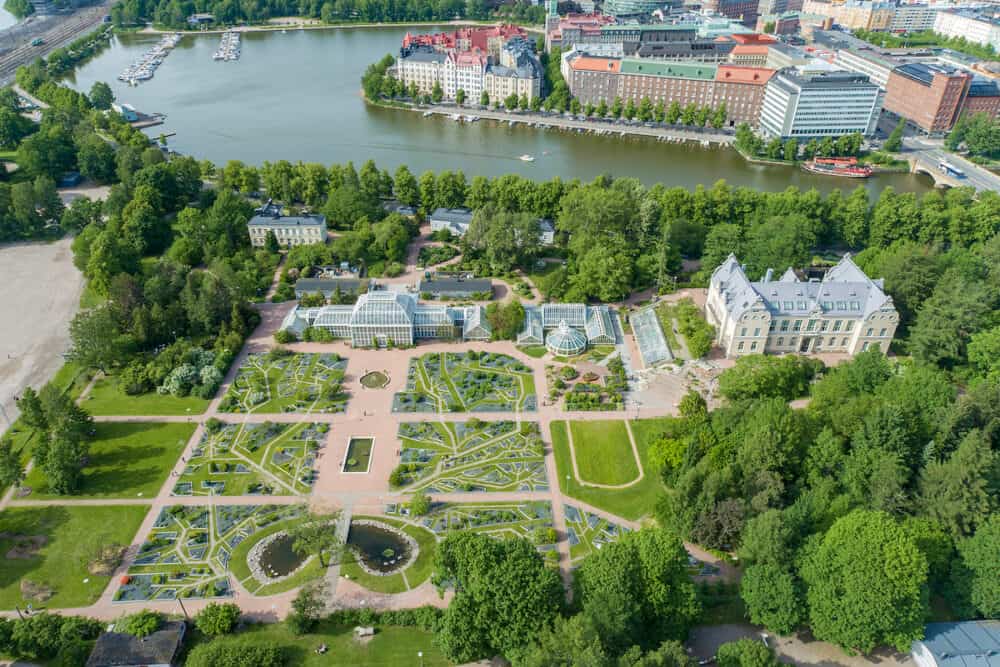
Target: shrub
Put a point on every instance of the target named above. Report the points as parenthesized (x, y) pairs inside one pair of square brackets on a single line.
[(217, 619), (230, 654), (142, 623), (284, 336)]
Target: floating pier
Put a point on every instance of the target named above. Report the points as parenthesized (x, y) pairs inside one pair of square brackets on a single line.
[(144, 68)]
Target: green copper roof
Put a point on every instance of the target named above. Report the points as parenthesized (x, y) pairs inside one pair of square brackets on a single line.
[(676, 70)]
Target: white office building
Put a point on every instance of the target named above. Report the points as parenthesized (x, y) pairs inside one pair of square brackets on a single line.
[(913, 18), (819, 104), (845, 312), (973, 27)]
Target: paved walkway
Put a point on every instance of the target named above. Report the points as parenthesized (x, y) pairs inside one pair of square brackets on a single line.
[(369, 413)]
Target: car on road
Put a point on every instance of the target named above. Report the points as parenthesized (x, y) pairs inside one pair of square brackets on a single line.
[(37, 41)]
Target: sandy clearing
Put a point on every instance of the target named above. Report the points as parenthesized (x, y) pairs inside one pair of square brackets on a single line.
[(41, 293)]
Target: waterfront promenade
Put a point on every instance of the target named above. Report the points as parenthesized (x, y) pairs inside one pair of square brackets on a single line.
[(610, 127)]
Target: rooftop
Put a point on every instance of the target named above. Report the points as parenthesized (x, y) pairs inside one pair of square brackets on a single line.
[(925, 72), (680, 70), (456, 215), (118, 649), (474, 286), (744, 74), (963, 644)]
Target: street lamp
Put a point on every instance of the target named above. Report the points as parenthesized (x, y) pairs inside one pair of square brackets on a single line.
[(420, 654)]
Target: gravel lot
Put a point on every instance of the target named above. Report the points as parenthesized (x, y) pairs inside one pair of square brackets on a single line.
[(41, 293), (794, 650)]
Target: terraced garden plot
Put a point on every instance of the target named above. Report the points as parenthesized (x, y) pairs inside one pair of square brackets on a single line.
[(253, 459), (467, 382), (471, 456), (187, 554), (588, 532), (302, 383), (500, 520)]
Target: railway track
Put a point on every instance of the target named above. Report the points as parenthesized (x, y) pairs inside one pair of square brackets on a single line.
[(61, 33)]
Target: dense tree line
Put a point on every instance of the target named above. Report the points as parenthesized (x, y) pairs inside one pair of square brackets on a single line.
[(850, 514), (174, 13), (979, 134)]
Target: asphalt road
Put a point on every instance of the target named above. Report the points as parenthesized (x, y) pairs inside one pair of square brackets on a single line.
[(975, 176)]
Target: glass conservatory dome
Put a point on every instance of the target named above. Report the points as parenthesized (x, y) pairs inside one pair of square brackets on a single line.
[(565, 341)]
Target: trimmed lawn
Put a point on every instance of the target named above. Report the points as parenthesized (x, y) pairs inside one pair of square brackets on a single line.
[(350, 569), (73, 536), (391, 645), (534, 351), (126, 460), (603, 452), (107, 399), (632, 503)]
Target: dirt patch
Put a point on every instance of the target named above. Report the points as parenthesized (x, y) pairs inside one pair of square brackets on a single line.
[(107, 560), (25, 546), (36, 591)]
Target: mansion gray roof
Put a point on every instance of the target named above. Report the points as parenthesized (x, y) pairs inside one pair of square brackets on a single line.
[(326, 285), (964, 644), (844, 290)]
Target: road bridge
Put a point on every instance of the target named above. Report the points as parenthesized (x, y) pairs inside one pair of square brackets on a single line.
[(924, 158)]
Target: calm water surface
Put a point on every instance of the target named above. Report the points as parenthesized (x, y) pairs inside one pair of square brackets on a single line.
[(296, 96)]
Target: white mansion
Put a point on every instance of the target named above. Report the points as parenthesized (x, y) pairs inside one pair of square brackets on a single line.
[(845, 312)]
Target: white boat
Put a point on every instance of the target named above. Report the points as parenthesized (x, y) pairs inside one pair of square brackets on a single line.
[(456, 116), (527, 158), (428, 113)]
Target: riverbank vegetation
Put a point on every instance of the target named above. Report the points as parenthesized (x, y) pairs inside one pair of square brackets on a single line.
[(174, 14), (19, 8)]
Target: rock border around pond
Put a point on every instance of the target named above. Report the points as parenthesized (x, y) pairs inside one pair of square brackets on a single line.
[(257, 571), (411, 542)]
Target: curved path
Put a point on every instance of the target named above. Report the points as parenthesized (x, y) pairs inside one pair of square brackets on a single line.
[(635, 453)]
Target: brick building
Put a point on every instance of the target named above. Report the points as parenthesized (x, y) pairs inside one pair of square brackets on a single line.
[(929, 96)]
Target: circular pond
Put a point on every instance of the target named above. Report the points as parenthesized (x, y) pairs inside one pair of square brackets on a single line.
[(374, 380), (278, 559), (381, 549)]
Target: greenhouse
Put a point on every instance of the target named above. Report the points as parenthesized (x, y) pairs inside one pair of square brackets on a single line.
[(384, 318), (566, 342), (592, 324)]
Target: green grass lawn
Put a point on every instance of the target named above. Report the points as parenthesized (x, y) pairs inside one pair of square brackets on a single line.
[(73, 536), (107, 399), (391, 645), (534, 351), (359, 450), (603, 452), (633, 502), (126, 459)]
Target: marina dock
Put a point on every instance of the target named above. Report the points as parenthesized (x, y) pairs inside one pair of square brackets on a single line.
[(229, 47), (144, 68)]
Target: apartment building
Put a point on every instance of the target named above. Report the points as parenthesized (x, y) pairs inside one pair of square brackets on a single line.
[(845, 311), (460, 64), (805, 105), (929, 96), (744, 11), (593, 79), (975, 27), (913, 17), (853, 14), (290, 230)]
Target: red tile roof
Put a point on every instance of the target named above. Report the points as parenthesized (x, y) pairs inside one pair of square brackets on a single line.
[(757, 76), (591, 64)]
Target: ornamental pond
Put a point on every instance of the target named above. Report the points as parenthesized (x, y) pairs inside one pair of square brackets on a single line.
[(295, 95), (381, 549)]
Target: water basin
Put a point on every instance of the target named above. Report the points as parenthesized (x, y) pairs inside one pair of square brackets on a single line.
[(381, 549), (279, 559)]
